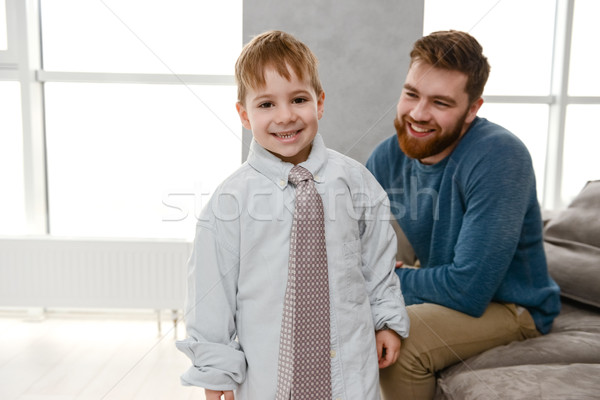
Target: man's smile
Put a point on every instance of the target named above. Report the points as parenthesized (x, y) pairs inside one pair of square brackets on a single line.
[(418, 131)]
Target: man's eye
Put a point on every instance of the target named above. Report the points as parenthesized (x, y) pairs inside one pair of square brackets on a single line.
[(410, 94), (441, 104), (266, 104)]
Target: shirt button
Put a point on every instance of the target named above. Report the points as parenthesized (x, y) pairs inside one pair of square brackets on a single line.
[(332, 353), (281, 182), (316, 177)]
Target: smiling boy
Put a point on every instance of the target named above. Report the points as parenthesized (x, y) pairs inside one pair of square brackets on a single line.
[(239, 266)]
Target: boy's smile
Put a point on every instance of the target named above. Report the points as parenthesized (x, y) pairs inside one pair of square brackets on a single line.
[(283, 115)]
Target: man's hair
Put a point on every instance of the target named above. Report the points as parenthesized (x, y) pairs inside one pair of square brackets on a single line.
[(280, 51), (455, 51)]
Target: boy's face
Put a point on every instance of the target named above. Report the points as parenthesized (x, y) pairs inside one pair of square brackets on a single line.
[(283, 115)]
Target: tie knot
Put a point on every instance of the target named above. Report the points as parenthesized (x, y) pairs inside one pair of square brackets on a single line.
[(299, 174)]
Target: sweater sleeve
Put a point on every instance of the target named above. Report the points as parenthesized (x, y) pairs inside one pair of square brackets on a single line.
[(218, 362), (496, 192)]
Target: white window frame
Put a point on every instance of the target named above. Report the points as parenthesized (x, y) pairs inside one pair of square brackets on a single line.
[(25, 66), (558, 100), (19, 63)]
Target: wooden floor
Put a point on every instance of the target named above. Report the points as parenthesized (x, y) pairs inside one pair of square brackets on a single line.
[(103, 356)]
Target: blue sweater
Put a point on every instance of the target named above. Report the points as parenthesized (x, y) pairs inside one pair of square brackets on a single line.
[(474, 222)]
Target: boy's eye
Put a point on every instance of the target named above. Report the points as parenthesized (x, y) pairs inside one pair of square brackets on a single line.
[(299, 100), (266, 104), (410, 94)]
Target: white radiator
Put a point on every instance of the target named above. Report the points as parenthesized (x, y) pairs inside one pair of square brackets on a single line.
[(72, 273)]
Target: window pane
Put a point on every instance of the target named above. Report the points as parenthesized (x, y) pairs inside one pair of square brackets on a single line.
[(3, 27), (584, 54), (520, 57), (12, 201), (529, 122), (580, 161), (178, 36), (136, 160)]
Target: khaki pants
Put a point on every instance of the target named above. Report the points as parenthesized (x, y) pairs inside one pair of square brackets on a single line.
[(440, 337)]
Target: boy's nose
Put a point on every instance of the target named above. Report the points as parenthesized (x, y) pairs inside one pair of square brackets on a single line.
[(285, 114)]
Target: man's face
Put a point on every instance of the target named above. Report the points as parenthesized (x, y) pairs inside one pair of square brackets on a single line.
[(283, 115), (433, 112)]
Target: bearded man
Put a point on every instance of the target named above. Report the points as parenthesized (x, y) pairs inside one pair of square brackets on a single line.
[(463, 191)]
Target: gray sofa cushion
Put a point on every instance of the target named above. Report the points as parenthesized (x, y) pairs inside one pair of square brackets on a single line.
[(564, 364), (572, 243), (525, 382)]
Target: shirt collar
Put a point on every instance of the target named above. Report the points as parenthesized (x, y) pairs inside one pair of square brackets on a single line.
[(277, 171)]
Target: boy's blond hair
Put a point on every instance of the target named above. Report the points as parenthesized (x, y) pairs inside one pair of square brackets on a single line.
[(280, 51)]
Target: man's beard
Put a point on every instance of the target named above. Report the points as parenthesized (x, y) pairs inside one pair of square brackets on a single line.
[(420, 148)]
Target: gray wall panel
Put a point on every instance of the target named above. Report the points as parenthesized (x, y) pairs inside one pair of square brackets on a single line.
[(362, 49)]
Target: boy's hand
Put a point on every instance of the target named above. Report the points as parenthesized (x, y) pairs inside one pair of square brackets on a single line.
[(388, 347), (216, 394)]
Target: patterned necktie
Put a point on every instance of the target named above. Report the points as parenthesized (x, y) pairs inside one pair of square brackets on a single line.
[(304, 371)]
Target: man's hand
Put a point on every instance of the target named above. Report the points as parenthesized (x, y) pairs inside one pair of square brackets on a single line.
[(216, 394), (388, 347)]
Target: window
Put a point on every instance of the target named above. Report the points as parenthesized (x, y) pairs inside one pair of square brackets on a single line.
[(139, 111), (524, 91), (197, 37), (584, 56), (582, 141), (580, 155), (3, 27), (12, 202), (130, 159), (154, 80), (520, 57)]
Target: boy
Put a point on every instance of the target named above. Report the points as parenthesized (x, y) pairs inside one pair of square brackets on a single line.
[(239, 280)]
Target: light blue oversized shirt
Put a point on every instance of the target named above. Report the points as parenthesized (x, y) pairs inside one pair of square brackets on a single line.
[(238, 274)]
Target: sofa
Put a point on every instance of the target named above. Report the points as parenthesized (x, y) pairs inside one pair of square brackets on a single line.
[(565, 363)]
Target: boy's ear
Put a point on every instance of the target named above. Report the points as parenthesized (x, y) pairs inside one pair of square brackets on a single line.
[(243, 115), (320, 104)]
